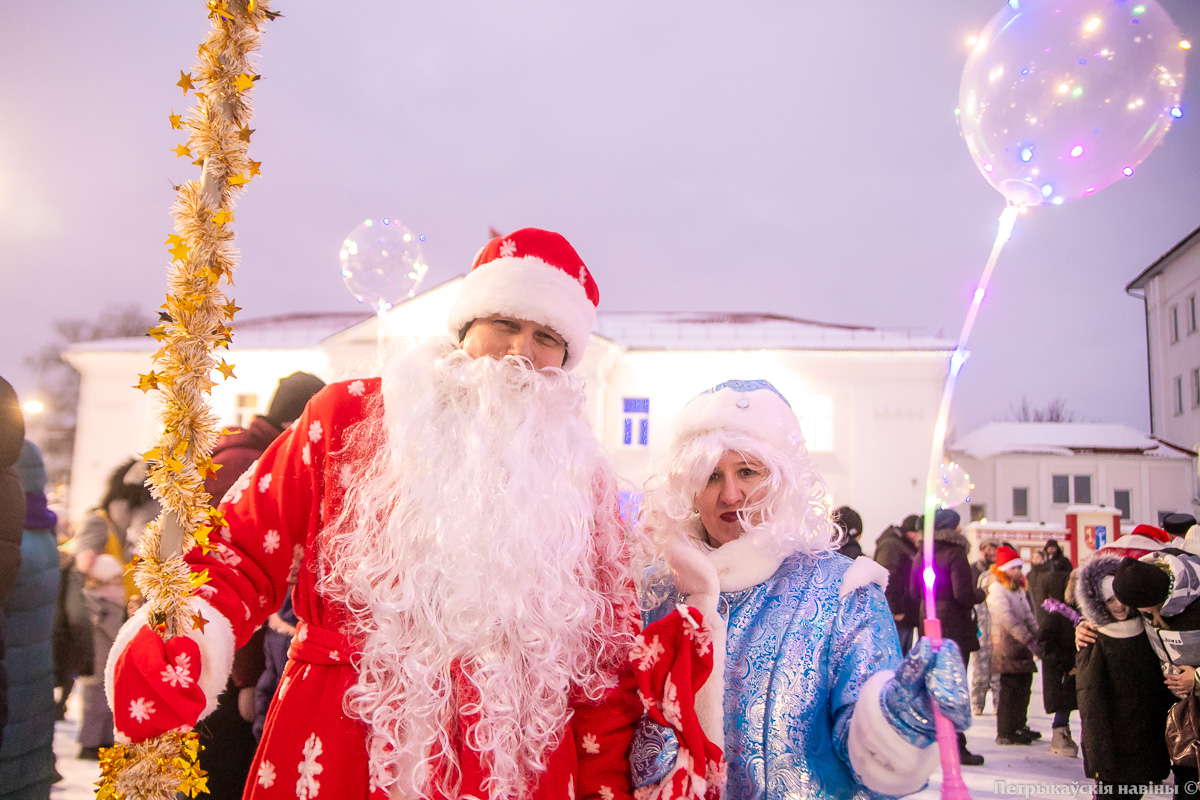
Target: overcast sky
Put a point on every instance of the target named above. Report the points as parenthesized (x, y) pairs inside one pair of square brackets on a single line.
[(791, 157)]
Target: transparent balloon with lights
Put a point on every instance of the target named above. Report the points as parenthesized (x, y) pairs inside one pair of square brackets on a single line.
[(952, 486), (382, 263)]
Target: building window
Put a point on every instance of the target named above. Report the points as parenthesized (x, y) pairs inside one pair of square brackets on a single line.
[(247, 407), (1121, 501), (1178, 395), (1196, 387), (1191, 314), (636, 422), (1174, 322), (1061, 488), (1083, 489), (978, 512), (1020, 503)]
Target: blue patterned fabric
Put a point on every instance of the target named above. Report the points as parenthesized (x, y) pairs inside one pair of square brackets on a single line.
[(653, 752), (796, 659), (748, 386)]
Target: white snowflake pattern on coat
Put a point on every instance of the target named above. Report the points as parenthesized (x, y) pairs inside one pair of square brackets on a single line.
[(306, 454), (315, 431), (264, 483), (266, 774), (180, 673), (670, 704), (508, 248), (606, 793), (590, 744), (224, 553), (307, 786), (141, 709), (240, 485), (356, 388), (271, 542), (645, 654)]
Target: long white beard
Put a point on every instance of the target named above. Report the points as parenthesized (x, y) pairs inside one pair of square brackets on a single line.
[(485, 534)]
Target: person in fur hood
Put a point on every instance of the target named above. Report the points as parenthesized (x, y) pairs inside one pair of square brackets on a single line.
[(1123, 702), (1014, 644), (809, 696)]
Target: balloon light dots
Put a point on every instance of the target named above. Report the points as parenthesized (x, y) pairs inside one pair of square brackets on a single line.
[(952, 486), (382, 263), (1046, 77)]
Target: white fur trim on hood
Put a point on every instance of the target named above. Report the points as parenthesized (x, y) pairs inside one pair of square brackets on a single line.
[(527, 288), (216, 651), (885, 761)]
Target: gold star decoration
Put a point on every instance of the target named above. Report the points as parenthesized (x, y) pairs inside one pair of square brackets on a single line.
[(198, 579), (176, 120), (230, 309), (159, 333), (237, 180), (254, 167), (182, 150), (148, 381), (225, 369), (245, 132), (185, 81), (199, 162), (179, 251), (221, 217), (198, 621), (243, 82)]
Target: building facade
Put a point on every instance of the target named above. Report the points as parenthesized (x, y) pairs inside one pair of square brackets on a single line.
[(867, 398)]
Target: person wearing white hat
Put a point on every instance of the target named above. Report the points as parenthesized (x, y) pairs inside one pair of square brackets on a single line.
[(808, 694), (450, 537)]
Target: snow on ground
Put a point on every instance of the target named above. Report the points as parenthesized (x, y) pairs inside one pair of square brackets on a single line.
[(1011, 771)]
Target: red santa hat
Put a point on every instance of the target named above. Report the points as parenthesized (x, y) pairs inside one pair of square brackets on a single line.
[(534, 275), (1141, 540), (1008, 558)]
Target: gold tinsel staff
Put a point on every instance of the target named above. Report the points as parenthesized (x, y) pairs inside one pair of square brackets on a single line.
[(196, 319)]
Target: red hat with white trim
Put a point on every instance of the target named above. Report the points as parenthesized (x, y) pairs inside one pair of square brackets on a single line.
[(1008, 558), (534, 275)]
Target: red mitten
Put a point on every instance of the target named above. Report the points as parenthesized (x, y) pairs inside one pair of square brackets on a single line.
[(156, 686)]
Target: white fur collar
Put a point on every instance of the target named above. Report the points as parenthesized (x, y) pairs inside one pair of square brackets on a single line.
[(741, 564), (862, 572), (1125, 629)]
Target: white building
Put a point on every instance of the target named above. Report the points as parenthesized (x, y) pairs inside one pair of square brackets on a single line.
[(1030, 473), (1168, 287), (867, 398)]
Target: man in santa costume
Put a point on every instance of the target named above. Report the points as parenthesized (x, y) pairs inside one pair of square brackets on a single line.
[(458, 569)]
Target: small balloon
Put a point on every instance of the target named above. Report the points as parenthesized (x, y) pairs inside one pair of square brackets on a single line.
[(382, 263), (1061, 98), (952, 485)]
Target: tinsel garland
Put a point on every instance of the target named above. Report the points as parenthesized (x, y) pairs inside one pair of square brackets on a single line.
[(196, 319)]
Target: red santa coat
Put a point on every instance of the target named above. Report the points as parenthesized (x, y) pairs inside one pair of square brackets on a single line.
[(310, 747)]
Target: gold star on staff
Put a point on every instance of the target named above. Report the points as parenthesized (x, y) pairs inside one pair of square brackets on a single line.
[(221, 217), (185, 81), (176, 120), (230, 309), (179, 251), (245, 132), (182, 150), (237, 180), (243, 82), (198, 621), (148, 381), (225, 369), (254, 167)]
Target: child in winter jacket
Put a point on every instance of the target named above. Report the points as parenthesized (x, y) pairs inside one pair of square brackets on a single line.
[(1014, 644), (1123, 702)]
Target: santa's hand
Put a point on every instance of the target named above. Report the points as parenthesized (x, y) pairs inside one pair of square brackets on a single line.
[(156, 686), (927, 678)]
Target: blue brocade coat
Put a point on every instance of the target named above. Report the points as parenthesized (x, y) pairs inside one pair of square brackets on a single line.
[(797, 656)]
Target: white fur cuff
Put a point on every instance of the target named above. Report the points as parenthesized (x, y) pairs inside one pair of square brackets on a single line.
[(216, 651), (862, 572), (884, 760)]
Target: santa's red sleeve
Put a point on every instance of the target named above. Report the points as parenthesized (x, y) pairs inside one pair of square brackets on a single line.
[(603, 732), (273, 509)]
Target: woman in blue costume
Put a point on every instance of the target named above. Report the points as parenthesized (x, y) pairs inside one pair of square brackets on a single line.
[(808, 696)]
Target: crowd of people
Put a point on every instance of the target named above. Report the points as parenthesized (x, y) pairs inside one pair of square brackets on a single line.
[(424, 589)]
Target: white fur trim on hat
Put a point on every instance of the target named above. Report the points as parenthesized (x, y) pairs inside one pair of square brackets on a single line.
[(216, 650), (527, 288), (885, 761), (754, 408)]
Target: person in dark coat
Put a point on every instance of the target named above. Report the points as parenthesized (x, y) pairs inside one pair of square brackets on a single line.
[(1056, 639), (27, 753), (12, 511), (1052, 560), (850, 524), (896, 551), (955, 595), (227, 735), (277, 638), (1123, 702)]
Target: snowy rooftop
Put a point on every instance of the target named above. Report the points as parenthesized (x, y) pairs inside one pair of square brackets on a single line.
[(722, 330), (1061, 438), (280, 332)]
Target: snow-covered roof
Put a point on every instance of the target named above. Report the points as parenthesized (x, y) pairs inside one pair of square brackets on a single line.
[(1061, 438), (723, 330), (279, 332), (1163, 261)]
